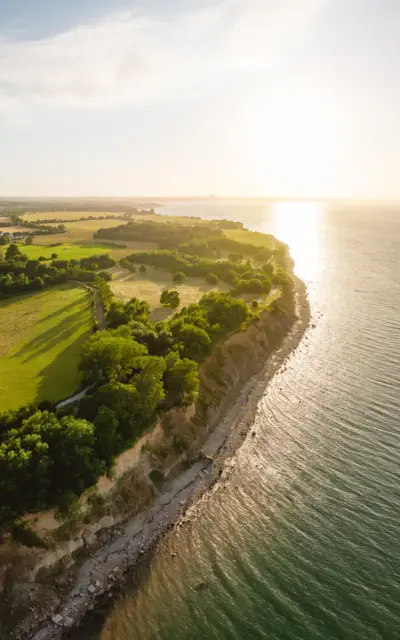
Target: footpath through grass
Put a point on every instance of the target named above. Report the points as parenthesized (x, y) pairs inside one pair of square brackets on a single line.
[(41, 337)]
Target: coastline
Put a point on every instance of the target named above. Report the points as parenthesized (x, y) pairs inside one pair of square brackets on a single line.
[(129, 552)]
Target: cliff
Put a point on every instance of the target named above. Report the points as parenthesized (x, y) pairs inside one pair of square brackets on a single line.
[(35, 581)]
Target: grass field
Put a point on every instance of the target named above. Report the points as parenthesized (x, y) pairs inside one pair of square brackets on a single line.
[(126, 285), (67, 215), (69, 251), (41, 337), (250, 237)]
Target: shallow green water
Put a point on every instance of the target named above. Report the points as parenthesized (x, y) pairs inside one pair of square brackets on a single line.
[(302, 540)]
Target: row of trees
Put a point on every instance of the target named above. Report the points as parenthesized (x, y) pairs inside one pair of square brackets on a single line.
[(207, 241), (18, 273)]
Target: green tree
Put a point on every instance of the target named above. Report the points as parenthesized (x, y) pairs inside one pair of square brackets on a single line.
[(181, 380), (12, 251), (268, 269), (212, 278), (109, 356), (29, 240), (42, 460), (143, 268), (193, 342), (178, 276), (108, 440), (235, 257), (5, 238), (133, 310), (170, 299)]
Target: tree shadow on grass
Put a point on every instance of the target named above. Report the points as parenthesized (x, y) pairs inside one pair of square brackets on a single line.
[(52, 336), (61, 310), (61, 377)]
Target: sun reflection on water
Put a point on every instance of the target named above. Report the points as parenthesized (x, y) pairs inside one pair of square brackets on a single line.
[(299, 224)]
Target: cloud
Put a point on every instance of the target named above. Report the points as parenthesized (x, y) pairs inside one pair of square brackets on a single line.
[(131, 57)]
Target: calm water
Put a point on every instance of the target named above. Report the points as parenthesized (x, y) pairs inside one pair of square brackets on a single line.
[(303, 542)]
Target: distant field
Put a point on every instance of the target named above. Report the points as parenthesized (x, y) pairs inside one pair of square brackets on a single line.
[(14, 229), (251, 237), (126, 285), (176, 219), (41, 337), (67, 215), (70, 251)]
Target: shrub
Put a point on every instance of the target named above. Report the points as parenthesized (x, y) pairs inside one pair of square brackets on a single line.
[(178, 276), (212, 278)]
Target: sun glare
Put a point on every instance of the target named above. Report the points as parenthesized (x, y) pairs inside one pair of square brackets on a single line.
[(295, 140), (299, 225)]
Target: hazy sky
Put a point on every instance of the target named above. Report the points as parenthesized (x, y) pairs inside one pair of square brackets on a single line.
[(192, 97)]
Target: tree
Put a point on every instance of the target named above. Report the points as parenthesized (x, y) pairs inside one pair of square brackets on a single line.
[(133, 310), (212, 278), (178, 276), (42, 460), (235, 257), (109, 356), (181, 380), (143, 268), (268, 269), (5, 238), (170, 299), (194, 343), (174, 299), (135, 404), (108, 441), (12, 251), (54, 256), (224, 311), (29, 240)]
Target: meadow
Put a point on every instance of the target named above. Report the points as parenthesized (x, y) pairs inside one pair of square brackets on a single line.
[(150, 285), (67, 215), (71, 251), (41, 337), (251, 237)]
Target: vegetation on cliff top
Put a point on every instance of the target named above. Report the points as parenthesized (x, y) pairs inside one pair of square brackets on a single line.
[(136, 369)]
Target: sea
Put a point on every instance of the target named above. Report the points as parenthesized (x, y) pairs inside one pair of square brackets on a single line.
[(302, 542)]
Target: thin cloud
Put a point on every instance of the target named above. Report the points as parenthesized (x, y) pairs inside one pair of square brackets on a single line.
[(131, 57)]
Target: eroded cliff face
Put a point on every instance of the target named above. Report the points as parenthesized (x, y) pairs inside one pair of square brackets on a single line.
[(35, 580), (241, 356)]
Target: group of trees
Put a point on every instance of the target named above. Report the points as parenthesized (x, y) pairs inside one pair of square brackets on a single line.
[(170, 299), (241, 274), (136, 369), (206, 241), (18, 273)]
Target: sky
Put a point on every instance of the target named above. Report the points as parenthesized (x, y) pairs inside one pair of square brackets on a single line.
[(247, 98)]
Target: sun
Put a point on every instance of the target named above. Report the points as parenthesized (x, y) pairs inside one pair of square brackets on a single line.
[(295, 139)]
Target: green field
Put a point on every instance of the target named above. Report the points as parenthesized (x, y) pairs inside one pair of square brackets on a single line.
[(68, 251), (251, 237), (67, 215), (41, 337)]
